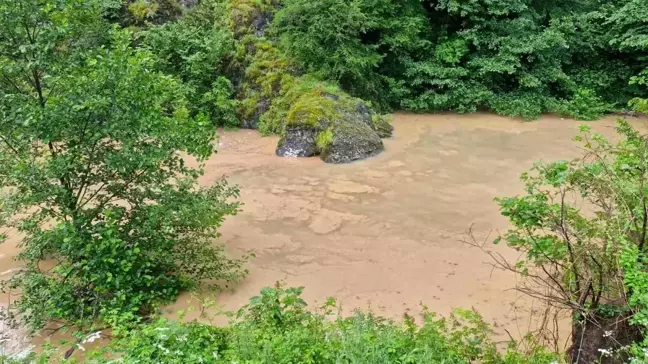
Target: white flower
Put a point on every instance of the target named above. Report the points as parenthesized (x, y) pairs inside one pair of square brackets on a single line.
[(605, 352), (163, 337), (607, 334), (182, 338)]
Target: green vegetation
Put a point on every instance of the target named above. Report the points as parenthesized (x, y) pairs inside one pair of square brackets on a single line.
[(277, 327), (591, 262), (324, 139), (518, 57), (109, 108), (92, 172), (196, 50)]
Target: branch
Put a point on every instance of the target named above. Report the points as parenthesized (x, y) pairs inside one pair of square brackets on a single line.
[(565, 233), (9, 145), (643, 199), (12, 83)]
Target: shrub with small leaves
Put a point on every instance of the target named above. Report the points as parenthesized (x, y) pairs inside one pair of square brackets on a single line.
[(583, 105), (93, 142)]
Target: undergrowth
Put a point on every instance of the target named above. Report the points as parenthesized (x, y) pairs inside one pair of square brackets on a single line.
[(278, 327)]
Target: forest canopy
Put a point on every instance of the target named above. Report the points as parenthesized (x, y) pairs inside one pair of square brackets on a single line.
[(517, 58)]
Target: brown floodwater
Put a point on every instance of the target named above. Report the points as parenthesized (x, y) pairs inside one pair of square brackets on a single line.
[(384, 233)]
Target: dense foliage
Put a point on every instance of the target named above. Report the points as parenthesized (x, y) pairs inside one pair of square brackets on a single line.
[(93, 146), (197, 49), (277, 327), (516, 57)]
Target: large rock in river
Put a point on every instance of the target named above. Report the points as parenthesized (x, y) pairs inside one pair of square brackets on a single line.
[(339, 128), (349, 142)]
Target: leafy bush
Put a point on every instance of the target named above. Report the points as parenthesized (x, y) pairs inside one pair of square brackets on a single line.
[(93, 174), (345, 41), (589, 261), (277, 327), (326, 37), (197, 50), (140, 14), (584, 105), (528, 106), (639, 104)]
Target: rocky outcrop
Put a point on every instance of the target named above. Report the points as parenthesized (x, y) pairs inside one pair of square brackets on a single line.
[(252, 121), (298, 141), (350, 142), (338, 128), (260, 23), (277, 96), (382, 126)]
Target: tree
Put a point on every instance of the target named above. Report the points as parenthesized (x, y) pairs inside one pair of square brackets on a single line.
[(93, 150), (582, 229)]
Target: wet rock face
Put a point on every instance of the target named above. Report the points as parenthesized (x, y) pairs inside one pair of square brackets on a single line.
[(253, 121), (352, 141), (187, 4), (298, 141), (260, 23), (339, 130), (364, 113), (382, 127)]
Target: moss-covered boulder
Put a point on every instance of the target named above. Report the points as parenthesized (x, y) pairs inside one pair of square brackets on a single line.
[(277, 96), (350, 141), (327, 122)]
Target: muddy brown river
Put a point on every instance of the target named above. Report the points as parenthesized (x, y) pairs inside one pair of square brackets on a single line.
[(384, 233)]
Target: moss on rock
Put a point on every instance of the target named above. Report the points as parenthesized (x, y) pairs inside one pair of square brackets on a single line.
[(350, 142), (382, 125), (276, 97), (312, 110), (324, 139), (332, 124)]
